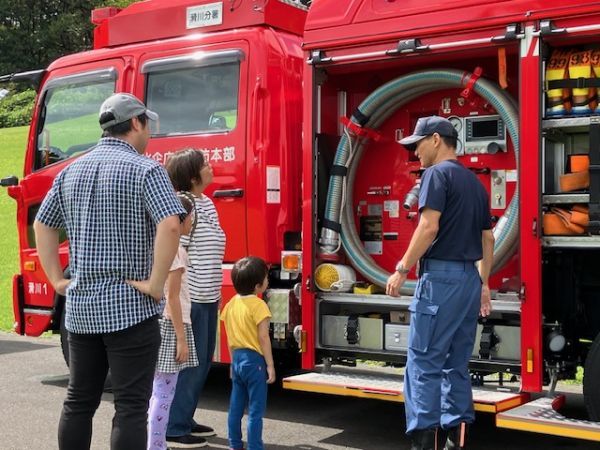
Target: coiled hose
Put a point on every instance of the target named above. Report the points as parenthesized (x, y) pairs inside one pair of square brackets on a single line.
[(377, 107)]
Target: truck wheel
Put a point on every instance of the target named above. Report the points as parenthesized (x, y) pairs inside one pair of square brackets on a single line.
[(591, 375), (64, 336)]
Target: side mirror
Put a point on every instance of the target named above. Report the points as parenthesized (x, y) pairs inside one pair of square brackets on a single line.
[(9, 181)]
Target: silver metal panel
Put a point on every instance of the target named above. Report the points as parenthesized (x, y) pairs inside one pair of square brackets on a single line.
[(279, 304), (501, 302), (509, 347), (333, 332), (571, 241), (498, 189), (557, 199), (342, 104), (396, 337), (567, 122)]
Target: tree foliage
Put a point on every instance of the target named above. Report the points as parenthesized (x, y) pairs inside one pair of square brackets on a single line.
[(16, 109), (35, 32)]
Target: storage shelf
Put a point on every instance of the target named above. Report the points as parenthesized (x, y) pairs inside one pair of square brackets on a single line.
[(501, 302), (557, 199), (358, 299), (570, 122), (571, 241)]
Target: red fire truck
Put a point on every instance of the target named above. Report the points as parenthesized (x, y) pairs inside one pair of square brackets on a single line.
[(225, 78), (310, 176), (518, 79)]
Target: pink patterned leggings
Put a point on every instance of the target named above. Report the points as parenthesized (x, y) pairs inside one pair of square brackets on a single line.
[(163, 391)]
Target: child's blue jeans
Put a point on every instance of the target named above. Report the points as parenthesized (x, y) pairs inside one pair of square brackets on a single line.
[(249, 379)]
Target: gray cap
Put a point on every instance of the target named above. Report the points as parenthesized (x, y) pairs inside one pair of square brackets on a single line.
[(426, 126), (123, 107)]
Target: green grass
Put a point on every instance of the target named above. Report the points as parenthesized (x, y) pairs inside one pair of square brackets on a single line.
[(81, 130), (12, 152)]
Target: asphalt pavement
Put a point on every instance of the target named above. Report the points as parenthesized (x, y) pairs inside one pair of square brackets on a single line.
[(33, 381)]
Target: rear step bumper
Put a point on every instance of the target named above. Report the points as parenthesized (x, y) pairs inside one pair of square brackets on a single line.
[(540, 416), (389, 388)]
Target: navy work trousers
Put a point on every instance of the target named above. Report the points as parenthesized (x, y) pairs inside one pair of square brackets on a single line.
[(444, 312)]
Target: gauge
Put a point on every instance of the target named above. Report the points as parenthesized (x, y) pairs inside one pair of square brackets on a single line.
[(456, 123)]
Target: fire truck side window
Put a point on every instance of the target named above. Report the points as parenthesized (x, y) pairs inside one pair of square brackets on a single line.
[(195, 100), (68, 124)]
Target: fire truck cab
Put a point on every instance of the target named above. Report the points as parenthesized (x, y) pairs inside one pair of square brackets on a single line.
[(517, 80), (225, 78)]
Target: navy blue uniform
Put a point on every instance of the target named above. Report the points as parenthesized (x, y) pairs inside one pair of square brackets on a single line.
[(447, 299)]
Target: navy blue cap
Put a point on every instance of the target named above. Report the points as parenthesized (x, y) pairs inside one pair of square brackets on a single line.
[(426, 126)]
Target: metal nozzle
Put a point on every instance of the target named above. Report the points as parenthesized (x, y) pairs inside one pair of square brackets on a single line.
[(412, 197)]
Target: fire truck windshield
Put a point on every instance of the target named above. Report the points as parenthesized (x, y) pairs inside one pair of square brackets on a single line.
[(69, 120)]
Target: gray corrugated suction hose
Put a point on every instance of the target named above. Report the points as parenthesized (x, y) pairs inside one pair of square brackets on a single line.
[(380, 105)]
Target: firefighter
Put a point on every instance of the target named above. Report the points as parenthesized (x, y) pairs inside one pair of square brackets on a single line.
[(454, 232)]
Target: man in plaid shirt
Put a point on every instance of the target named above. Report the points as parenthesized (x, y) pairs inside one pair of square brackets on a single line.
[(121, 217)]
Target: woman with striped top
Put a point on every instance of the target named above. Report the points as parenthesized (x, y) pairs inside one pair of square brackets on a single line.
[(190, 172)]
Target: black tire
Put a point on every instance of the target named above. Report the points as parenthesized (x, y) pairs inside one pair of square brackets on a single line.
[(591, 375), (64, 337)]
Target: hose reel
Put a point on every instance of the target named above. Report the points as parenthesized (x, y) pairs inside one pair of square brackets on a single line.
[(372, 113)]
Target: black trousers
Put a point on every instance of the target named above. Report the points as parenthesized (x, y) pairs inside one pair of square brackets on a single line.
[(131, 355)]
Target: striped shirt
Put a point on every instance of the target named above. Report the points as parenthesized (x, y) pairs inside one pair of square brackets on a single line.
[(205, 251), (109, 202)]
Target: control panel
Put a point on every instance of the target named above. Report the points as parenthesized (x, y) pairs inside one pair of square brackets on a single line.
[(479, 134)]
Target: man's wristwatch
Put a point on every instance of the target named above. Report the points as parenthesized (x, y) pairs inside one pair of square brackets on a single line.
[(401, 269)]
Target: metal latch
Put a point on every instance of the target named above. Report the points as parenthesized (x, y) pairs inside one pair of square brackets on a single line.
[(407, 46), (513, 32), (547, 27), (318, 57)]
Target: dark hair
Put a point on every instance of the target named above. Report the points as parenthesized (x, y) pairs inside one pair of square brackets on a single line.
[(450, 141), (183, 167), (247, 273), (122, 128)]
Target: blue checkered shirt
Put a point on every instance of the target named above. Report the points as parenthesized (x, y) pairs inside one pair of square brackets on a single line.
[(109, 202)]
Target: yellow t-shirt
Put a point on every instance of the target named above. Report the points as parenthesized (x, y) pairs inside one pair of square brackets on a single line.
[(241, 316)]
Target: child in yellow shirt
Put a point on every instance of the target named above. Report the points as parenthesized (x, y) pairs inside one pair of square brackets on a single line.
[(246, 319)]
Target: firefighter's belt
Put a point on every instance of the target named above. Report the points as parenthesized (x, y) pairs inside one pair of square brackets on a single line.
[(576, 181), (559, 221), (351, 332)]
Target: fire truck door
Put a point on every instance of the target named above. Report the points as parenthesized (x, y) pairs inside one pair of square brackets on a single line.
[(200, 96)]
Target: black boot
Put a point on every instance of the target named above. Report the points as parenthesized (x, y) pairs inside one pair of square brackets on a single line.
[(457, 437), (424, 439)]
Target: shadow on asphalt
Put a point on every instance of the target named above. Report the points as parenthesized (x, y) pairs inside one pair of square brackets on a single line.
[(382, 422), (374, 423), (18, 347)]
